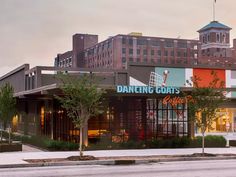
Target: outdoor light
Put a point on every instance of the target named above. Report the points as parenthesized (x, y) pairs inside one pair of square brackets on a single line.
[(166, 72)]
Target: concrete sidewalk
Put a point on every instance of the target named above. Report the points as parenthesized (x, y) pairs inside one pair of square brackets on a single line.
[(11, 158)]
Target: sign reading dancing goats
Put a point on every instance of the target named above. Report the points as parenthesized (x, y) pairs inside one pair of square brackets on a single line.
[(147, 90), (168, 91)]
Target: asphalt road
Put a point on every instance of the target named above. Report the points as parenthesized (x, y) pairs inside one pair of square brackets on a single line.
[(223, 168)]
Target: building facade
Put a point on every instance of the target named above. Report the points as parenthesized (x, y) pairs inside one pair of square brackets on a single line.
[(212, 48), (140, 105), (141, 75), (116, 52)]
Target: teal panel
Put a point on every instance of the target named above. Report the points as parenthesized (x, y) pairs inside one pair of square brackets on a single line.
[(176, 76), (233, 94)]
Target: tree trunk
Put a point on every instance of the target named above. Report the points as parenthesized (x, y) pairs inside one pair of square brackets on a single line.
[(9, 133), (85, 134), (203, 142), (1, 135), (81, 142)]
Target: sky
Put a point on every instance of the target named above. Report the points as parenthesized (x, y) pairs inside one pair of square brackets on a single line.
[(35, 31)]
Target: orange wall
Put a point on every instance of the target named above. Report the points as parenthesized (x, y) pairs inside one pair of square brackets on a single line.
[(205, 76)]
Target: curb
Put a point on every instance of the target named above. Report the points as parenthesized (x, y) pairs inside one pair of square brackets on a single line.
[(115, 162), (67, 163)]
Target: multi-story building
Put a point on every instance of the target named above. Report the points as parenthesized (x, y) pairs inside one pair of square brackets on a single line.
[(75, 57), (117, 51), (215, 45), (212, 48), (215, 40)]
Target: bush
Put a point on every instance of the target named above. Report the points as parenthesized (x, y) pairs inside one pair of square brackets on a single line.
[(106, 143), (103, 143), (61, 145), (210, 141), (132, 145), (176, 142), (44, 142)]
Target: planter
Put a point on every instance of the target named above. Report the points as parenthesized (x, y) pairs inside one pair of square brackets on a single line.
[(4, 147), (232, 143)]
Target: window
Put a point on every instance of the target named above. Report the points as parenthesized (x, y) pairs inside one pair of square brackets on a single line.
[(123, 40), (131, 59), (131, 51), (141, 42), (217, 38), (145, 60), (109, 44), (179, 54), (208, 38), (123, 50), (224, 38), (155, 43), (138, 59), (185, 54), (159, 53), (130, 41), (182, 44), (172, 53), (145, 52), (152, 52), (166, 53), (179, 61), (123, 60), (138, 51), (169, 43)]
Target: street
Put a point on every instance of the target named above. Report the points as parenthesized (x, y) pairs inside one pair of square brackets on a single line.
[(223, 168)]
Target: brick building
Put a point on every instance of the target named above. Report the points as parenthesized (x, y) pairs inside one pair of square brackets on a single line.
[(212, 48), (75, 57), (117, 51)]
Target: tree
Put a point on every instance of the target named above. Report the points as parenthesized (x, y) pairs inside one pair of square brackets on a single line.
[(7, 106), (81, 99), (206, 102)]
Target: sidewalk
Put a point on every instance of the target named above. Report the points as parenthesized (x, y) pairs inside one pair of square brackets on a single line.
[(13, 158)]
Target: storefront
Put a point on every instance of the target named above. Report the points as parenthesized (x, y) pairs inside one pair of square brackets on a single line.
[(128, 116), (144, 102)]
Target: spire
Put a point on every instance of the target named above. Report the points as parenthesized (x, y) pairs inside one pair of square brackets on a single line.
[(214, 10)]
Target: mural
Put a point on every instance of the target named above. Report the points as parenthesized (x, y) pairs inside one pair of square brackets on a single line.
[(176, 77)]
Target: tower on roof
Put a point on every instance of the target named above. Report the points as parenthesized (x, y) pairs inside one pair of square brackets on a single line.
[(215, 39)]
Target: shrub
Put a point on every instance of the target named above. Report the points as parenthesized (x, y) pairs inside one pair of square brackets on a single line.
[(106, 143), (132, 145), (61, 145), (210, 141)]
